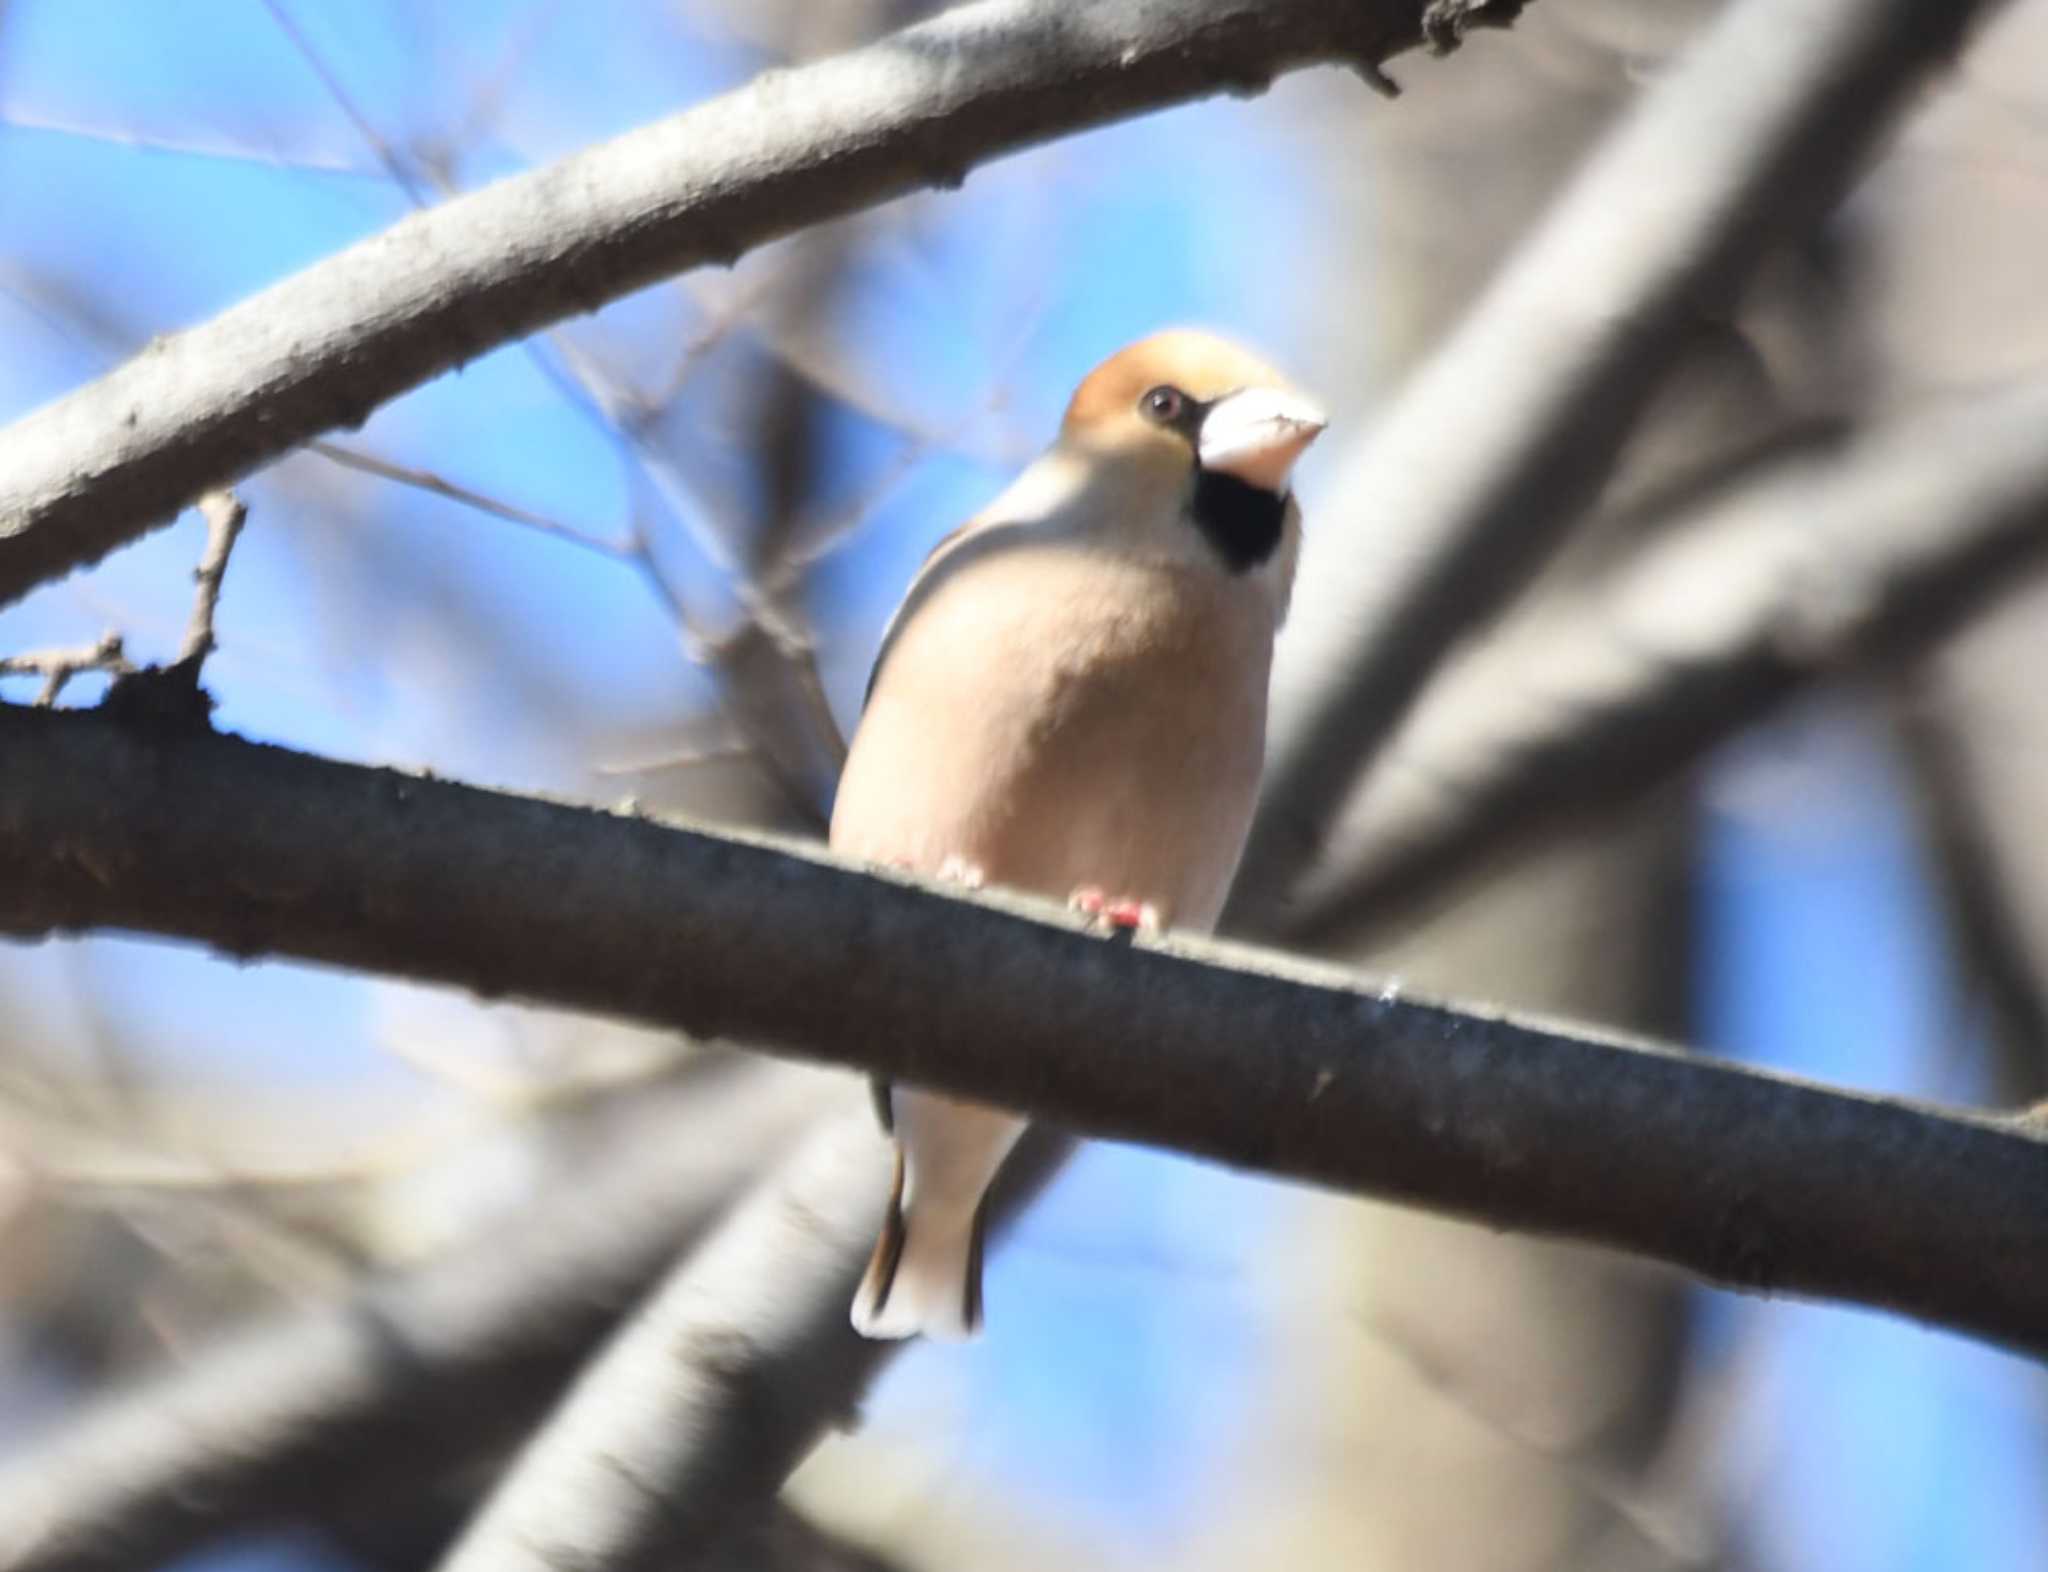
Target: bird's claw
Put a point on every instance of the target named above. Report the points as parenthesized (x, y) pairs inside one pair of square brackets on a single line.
[(958, 870), (1115, 913)]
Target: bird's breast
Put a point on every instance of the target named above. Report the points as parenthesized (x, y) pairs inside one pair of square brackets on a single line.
[(1061, 720)]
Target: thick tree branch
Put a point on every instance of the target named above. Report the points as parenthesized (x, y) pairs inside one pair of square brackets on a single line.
[(919, 108), (1250, 1059), (1821, 563), (1507, 432), (409, 1380)]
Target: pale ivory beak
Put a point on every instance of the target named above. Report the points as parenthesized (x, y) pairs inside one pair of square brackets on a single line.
[(1256, 434)]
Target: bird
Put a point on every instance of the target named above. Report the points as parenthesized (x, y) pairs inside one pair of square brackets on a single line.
[(1070, 701)]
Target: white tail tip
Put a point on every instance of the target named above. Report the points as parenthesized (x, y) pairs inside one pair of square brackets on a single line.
[(924, 1279)]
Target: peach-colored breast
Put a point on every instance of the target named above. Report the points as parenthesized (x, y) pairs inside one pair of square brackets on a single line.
[(1063, 719)]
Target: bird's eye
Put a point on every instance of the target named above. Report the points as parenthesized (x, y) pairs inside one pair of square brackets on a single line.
[(1163, 404)]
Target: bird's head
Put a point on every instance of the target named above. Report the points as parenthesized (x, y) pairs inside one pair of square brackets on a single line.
[(1191, 418), (1186, 398)]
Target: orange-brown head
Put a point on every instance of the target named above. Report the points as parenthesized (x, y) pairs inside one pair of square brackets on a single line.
[(1186, 429), (1186, 397)]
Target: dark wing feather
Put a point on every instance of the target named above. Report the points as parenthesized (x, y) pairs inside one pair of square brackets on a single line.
[(911, 595)]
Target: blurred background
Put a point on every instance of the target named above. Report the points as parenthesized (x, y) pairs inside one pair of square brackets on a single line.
[(649, 555)]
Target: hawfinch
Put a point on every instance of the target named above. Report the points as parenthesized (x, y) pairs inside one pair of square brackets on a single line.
[(1071, 700)]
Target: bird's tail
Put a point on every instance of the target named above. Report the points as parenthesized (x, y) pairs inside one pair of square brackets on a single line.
[(925, 1274)]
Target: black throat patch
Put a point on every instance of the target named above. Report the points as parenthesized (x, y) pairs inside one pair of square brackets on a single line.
[(1242, 521)]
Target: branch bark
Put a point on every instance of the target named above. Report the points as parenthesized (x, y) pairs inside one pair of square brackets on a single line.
[(404, 1382), (1822, 563), (1488, 455), (1252, 1059), (793, 148)]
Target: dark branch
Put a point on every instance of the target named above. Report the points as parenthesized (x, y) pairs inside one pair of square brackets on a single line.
[(919, 108), (1247, 1058), (1503, 437)]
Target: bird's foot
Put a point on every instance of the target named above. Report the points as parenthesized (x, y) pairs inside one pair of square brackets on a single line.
[(1116, 913), (958, 870)]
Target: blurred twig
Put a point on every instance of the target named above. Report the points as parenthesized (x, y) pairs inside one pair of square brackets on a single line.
[(1490, 453), (218, 149), (440, 486), (1674, 1538), (1738, 1176), (410, 1378), (814, 540), (386, 156), (1821, 563), (687, 1424), (1990, 934), (765, 668), (224, 515)]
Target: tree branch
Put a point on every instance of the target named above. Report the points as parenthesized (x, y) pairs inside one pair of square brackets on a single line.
[(1250, 1059), (687, 1424), (225, 514), (406, 1381), (58, 666), (793, 148), (1822, 562), (1497, 443)]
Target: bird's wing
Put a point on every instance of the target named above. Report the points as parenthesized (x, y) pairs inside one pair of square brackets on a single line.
[(1035, 499)]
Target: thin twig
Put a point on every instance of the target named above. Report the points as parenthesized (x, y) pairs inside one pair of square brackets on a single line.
[(225, 514), (722, 316), (182, 146), (440, 486), (586, 387), (386, 155), (819, 540), (778, 703), (1985, 893), (58, 666), (487, 99)]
